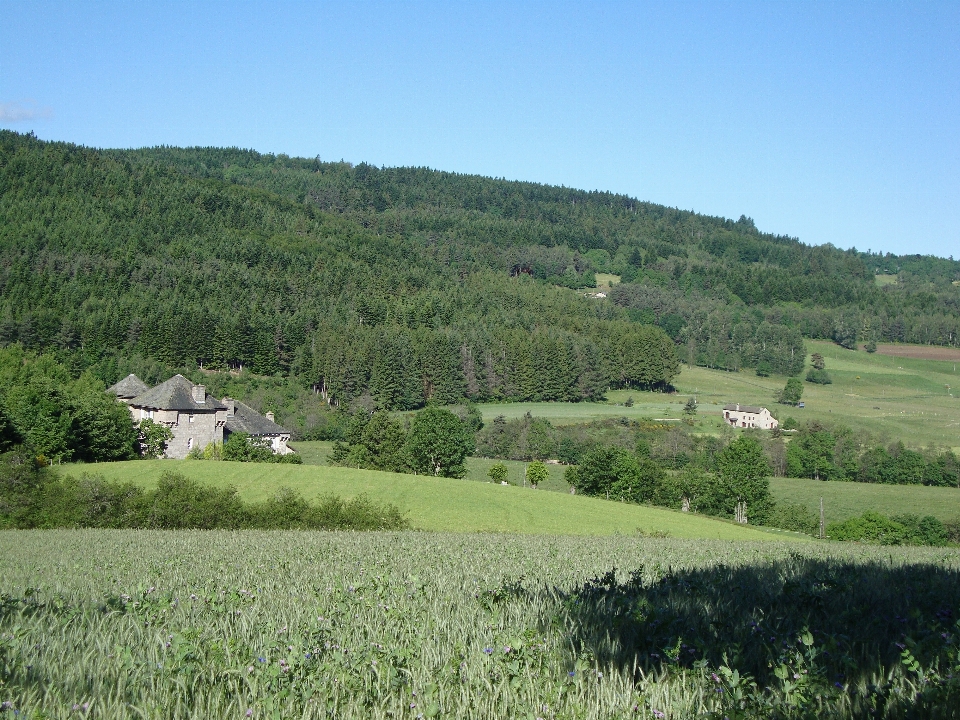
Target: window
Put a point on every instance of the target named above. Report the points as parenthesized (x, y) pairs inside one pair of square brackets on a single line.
[(190, 419), (189, 443)]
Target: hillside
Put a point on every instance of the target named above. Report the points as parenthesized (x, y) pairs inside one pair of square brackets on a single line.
[(408, 284), (443, 504)]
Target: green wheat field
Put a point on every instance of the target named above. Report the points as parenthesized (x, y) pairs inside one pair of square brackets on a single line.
[(148, 624)]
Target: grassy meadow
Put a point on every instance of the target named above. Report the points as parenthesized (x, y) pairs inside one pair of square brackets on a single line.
[(911, 399), (842, 500), (153, 624), (442, 504)]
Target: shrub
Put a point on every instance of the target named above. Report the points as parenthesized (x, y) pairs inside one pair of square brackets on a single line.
[(819, 377), (869, 527), (36, 497), (179, 502), (926, 530), (763, 369)]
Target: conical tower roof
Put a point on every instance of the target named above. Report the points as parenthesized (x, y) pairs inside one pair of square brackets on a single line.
[(129, 387)]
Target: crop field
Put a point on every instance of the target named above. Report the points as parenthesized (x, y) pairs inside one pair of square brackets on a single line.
[(923, 352), (442, 504), (152, 624)]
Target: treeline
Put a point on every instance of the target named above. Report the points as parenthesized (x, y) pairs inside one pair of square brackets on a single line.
[(841, 454), (906, 529), (329, 273), (33, 496), (59, 417), (402, 369), (435, 442)]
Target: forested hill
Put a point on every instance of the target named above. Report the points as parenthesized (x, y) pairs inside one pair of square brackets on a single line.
[(411, 284)]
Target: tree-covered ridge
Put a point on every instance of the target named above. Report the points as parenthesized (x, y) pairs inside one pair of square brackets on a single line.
[(106, 255), (558, 233), (410, 284)]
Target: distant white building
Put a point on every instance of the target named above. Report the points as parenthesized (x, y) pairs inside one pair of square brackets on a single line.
[(747, 416)]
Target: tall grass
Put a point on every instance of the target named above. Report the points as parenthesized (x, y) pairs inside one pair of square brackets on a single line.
[(119, 624)]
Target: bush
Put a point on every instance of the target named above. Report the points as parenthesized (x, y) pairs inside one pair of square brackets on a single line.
[(819, 377), (180, 503), (869, 527), (926, 530), (763, 369), (37, 497)]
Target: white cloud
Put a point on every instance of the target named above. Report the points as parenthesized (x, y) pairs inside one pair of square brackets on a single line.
[(23, 111)]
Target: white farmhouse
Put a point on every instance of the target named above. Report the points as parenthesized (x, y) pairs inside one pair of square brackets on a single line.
[(747, 416)]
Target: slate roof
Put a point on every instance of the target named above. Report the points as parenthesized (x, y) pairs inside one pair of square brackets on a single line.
[(744, 408), (175, 394), (246, 419), (129, 387)]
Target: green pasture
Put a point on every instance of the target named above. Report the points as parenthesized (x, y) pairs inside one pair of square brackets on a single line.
[(317, 452), (842, 500), (913, 400), (607, 280), (646, 405), (441, 503)]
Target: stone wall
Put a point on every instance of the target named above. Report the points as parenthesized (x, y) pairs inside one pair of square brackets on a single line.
[(206, 428)]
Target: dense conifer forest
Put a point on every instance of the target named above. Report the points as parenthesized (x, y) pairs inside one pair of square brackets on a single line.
[(407, 285)]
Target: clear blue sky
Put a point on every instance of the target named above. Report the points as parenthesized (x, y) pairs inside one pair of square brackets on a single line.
[(830, 121)]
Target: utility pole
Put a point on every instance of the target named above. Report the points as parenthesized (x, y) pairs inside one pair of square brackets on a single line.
[(821, 518)]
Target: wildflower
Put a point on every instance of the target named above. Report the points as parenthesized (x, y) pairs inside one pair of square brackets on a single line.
[(714, 677), (249, 712), (249, 669), (838, 685), (657, 714), (488, 650), (571, 673), (261, 659), (506, 648)]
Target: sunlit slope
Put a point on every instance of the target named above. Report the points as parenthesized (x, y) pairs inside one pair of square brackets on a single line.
[(441, 503), (894, 398)]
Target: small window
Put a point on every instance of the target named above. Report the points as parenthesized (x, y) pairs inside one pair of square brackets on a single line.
[(190, 419), (189, 443)]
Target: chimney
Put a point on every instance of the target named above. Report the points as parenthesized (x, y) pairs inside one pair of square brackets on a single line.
[(231, 406), (270, 416), (199, 394)]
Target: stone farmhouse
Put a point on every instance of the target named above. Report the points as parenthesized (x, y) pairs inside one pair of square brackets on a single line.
[(747, 416), (195, 417), (243, 418)]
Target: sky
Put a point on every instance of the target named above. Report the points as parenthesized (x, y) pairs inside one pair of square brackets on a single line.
[(832, 122)]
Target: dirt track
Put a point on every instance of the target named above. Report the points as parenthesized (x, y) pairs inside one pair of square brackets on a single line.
[(922, 352)]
